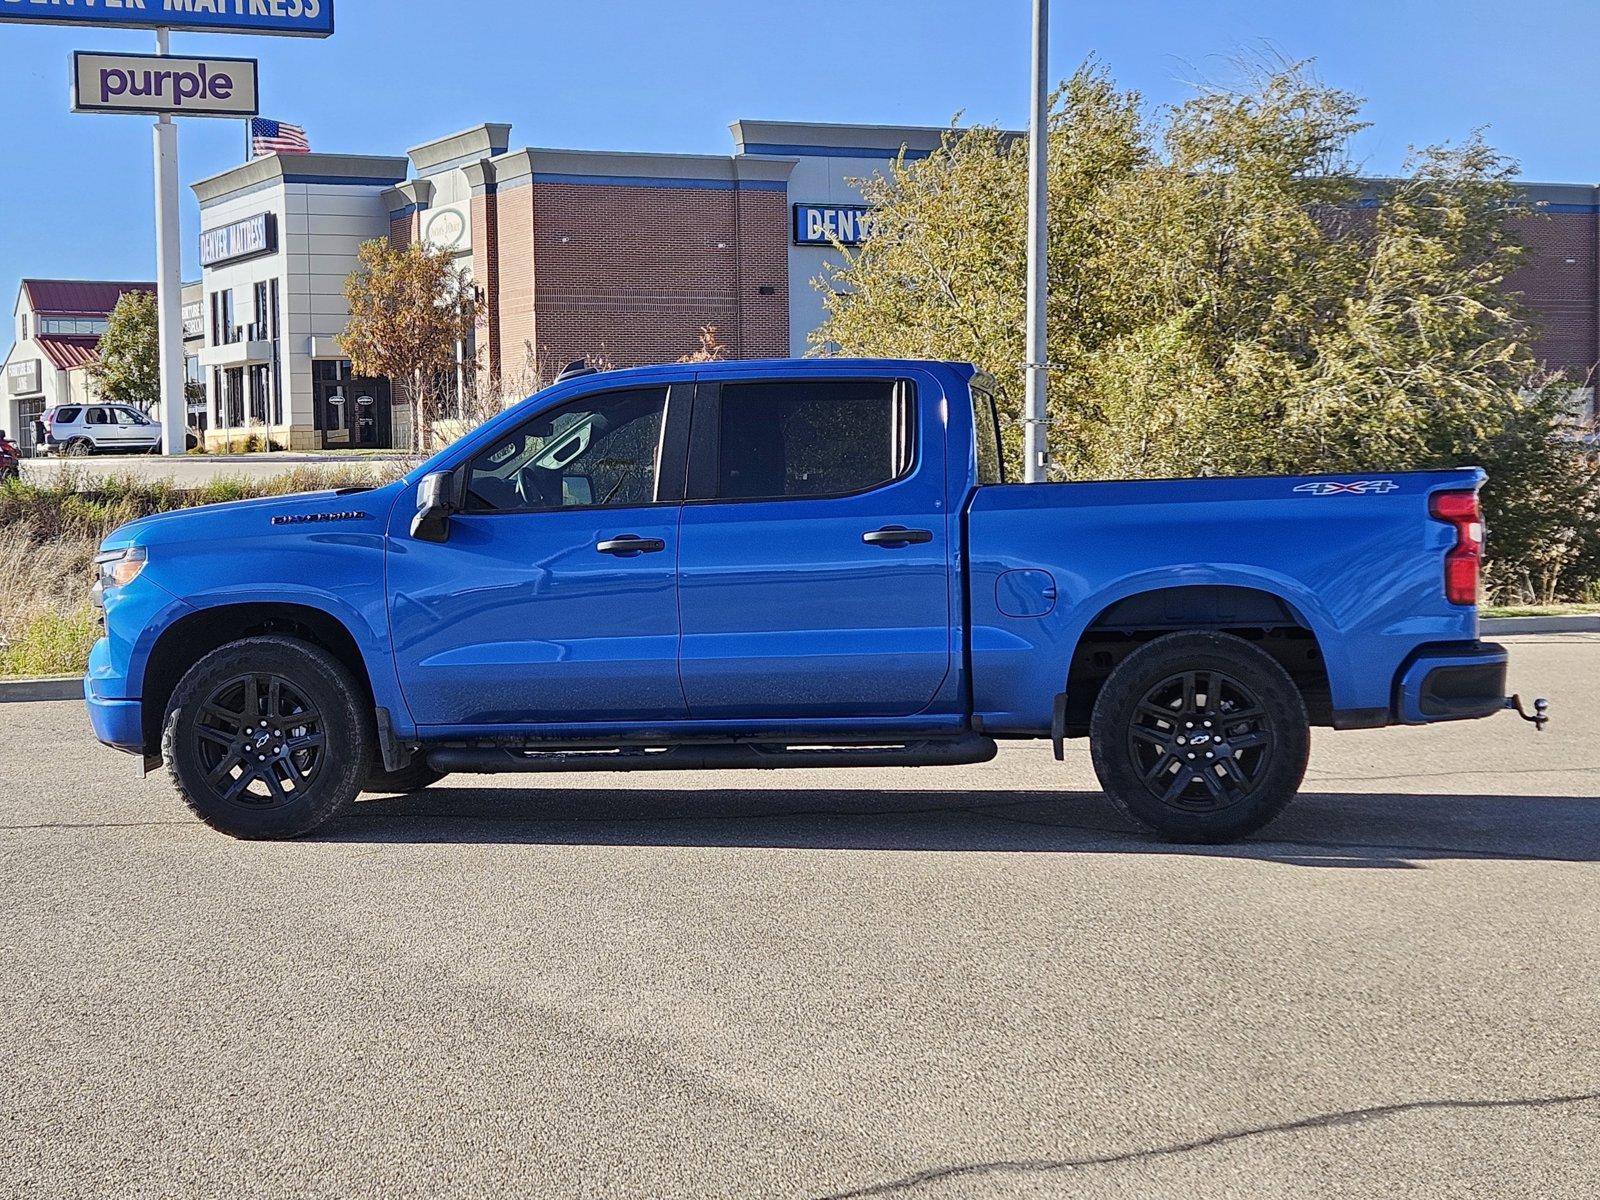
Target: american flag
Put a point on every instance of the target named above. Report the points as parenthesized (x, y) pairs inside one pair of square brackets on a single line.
[(275, 137)]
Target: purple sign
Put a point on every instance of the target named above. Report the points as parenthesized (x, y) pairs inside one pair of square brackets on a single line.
[(164, 85)]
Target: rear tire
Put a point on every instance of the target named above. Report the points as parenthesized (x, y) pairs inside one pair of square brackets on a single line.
[(78, 448), (266, 738), (413, 778), (1200, 737)]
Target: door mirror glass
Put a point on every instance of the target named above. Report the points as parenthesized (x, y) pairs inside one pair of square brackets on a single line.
[(575, 489), (436, 501)]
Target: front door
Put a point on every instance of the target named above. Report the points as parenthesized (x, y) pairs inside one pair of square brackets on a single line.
[(555, 598), (815, 558), (334, 413), (369, 416)]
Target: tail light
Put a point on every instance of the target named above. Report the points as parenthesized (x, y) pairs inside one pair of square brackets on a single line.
[(1461, 564)]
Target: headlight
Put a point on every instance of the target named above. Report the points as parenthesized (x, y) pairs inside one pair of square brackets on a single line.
[(117, 568)]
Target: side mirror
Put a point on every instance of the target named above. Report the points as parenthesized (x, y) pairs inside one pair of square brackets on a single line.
[(438, 497)]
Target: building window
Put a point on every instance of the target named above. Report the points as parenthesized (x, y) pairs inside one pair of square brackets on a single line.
[(233, 396), (277, 362), (223, 330), (258, 394), (72, 326), (24, 336), (259, 330)]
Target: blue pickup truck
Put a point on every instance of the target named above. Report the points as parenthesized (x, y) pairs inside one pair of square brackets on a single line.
[(781, 564)]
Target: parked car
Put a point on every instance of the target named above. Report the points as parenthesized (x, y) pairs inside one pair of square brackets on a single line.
[(782, 564), (78, 429), (10, 457)]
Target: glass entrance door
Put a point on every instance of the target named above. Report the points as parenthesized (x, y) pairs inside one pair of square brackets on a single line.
[(352, 412)]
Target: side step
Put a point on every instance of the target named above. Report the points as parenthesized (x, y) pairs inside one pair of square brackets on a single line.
[(943, 752)]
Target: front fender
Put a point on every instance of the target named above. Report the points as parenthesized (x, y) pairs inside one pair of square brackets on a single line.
[(364, 618)]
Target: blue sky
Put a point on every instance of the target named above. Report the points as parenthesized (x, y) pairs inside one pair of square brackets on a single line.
[(75, 191)]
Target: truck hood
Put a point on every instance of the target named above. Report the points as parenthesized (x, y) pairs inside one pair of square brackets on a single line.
[(244, 518)]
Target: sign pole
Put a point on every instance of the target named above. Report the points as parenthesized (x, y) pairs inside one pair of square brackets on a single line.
[(169, 281), (1036, 427)]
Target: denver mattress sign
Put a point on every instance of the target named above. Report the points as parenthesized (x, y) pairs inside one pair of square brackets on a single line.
[(296, 18)]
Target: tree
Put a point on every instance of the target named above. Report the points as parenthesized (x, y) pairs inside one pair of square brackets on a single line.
[(1229, 296), (710, 349), (410, 308), (129, 367)]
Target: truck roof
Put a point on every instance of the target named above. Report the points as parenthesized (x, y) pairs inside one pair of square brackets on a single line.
[(757, 368)]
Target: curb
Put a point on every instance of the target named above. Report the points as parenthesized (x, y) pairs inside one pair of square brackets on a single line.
[(1573, 624), (22, 691)]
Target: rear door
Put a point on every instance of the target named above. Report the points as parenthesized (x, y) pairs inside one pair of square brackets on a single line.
[(815, 556)]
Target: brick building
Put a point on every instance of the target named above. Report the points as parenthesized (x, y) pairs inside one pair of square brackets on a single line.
[(616, 255)]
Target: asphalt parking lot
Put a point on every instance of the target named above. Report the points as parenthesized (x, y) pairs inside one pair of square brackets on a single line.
[(961, 982)]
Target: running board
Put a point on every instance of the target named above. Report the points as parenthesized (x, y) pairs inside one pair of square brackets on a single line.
[(943, 752)]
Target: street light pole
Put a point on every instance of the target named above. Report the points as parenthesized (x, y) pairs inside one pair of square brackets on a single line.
[(1036, 429), (169, 281)]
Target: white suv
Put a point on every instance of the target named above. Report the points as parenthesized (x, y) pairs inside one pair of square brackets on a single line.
[(100, 428)]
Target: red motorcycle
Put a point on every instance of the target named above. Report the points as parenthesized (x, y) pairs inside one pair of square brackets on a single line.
[(10, 458)]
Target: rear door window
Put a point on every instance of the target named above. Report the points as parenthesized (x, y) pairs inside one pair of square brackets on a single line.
[(97, 416), (811, 438)]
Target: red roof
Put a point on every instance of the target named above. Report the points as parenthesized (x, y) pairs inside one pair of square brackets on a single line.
[(70, 352), (78, 297)]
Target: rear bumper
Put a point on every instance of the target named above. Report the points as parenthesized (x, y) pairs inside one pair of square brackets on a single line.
[(1452, 683)]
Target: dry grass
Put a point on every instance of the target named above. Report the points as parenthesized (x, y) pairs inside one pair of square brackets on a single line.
[(49, 534), (46, 622)]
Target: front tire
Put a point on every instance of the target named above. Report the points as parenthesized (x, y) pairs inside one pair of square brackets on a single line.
[(265, 738), (1200, 737)]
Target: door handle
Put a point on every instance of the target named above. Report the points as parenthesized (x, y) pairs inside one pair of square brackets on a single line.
[(629, 544), (896, 535)]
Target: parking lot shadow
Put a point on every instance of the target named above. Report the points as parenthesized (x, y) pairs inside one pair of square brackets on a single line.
[(1319, 830)]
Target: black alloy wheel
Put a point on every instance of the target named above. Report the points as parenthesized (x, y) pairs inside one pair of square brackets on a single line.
[(259, 740), (1200, 741)]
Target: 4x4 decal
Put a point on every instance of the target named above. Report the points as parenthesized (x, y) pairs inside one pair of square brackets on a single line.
[(1366, 487)]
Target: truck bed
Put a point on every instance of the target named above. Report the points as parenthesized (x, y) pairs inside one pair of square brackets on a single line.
[(1353, 559)]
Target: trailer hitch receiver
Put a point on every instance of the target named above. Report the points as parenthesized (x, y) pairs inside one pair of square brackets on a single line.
[(1540, 716)]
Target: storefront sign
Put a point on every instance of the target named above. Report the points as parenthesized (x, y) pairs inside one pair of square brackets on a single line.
[(22, 377), (447, 228), (194, 319), (156, 84), (243, 239), (825, 224), (295, 18)]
